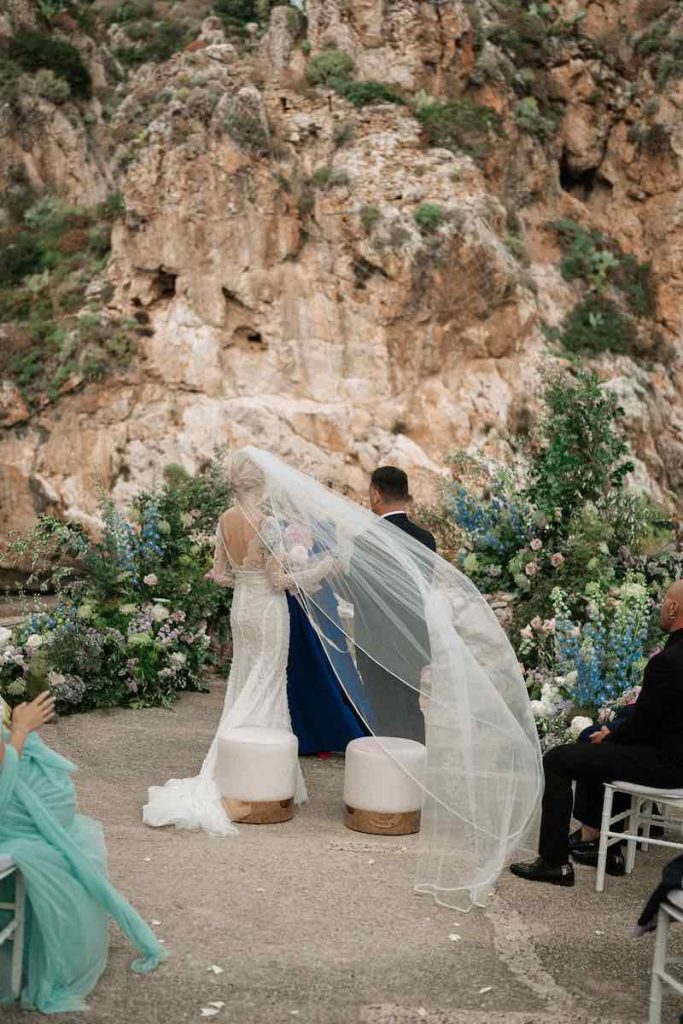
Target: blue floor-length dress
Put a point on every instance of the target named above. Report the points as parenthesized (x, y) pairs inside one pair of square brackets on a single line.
[(323, 719)]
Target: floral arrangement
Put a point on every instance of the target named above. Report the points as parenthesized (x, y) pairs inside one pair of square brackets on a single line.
[(134, 612), (584, 672), (582, 560)]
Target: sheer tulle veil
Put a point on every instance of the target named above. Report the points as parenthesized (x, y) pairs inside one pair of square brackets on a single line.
[(436, 664)]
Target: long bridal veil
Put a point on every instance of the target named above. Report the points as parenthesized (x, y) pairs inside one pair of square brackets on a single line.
[(433, 664)]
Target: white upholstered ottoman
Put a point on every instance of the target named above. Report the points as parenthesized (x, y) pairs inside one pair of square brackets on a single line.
[(382, 791), (256, 774)]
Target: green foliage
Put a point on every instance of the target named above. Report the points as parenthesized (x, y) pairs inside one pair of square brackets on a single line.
[(20, 255), (363, 94), (46, 264), (34, 51), (237, 14), (652, 139), (158, 41), (599, 261), (131, 10), (577, 561), (369, 217), (51, 86), (244, 125), (429, 217), (531, 119), (330, 69), (130, 627), (581, 456), (531, 34), (328, 177), (459, 125), (661, 47), (596, 324)]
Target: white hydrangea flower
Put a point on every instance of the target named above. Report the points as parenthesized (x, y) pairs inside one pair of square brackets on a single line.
[(578, 724), (5, 636), (160, 612), (34, 642)]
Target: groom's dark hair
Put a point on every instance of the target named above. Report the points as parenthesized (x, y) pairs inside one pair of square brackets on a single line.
[(392, 483)]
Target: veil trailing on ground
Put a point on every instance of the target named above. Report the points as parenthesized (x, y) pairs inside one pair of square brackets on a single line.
[(433, 664)]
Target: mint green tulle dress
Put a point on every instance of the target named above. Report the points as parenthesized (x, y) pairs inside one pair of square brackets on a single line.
[(62, 858)]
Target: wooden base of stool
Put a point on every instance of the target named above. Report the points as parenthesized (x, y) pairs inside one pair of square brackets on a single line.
[(259, 812), (382, 824)]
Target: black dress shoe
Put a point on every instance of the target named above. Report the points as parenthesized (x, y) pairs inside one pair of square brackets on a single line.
[(615, 865), (538, 871), (577, 843)]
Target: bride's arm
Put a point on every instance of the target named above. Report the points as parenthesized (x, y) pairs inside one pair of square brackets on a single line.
[(284, 577), (221, 572)]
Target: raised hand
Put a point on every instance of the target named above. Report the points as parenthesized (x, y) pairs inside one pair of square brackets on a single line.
[(27, 718)]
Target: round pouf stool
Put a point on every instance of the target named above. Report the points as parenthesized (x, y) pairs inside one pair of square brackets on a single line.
[(256, 774), (379, 796)]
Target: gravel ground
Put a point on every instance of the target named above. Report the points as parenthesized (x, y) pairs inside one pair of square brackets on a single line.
[(312, 923)]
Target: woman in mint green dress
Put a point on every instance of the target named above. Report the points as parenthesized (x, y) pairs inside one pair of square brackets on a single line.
[(62, 858)]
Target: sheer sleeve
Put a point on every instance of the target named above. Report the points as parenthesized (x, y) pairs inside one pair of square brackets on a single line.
[(283, 576), (221, 574), (291, 567)]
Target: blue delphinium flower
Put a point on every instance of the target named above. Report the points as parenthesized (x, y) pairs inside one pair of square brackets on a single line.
[(151, 542)]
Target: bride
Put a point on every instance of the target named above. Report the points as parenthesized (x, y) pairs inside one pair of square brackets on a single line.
[(422, 623), (259, 618)]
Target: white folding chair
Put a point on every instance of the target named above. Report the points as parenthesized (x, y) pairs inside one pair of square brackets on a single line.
[(671, 909), (14, 930), (640, 816)]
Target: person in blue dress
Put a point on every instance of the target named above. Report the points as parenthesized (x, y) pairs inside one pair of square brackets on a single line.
[(326, 715), (62, 858)]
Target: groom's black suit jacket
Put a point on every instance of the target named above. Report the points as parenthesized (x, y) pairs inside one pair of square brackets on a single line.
[(395, 706)]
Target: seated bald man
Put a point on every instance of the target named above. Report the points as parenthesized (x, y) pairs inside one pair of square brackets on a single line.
[(647, 748)]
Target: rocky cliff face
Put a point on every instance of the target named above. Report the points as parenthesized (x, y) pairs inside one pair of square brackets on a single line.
[(350, 283)]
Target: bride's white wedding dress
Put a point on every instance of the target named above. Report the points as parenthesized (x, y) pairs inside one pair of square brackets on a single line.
[(257, 688)]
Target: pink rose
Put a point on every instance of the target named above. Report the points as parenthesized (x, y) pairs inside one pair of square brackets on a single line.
[(536, 623), (527, 632), (536, 544), (531, 569), (557, 560), (549, 626)]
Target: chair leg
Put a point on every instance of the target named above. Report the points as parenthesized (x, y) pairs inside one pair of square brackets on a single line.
[(18, 937), (604, 829), (658, 965), (631, 844), (648, 809)]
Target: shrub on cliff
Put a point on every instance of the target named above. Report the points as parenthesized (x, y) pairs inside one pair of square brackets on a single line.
[(429, 217), (330, 69), (33, 51), (363, 94), (458, 125), (155, 43), (596, 324)]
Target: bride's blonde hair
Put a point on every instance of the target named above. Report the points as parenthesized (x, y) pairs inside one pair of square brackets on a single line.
[(244, 475)]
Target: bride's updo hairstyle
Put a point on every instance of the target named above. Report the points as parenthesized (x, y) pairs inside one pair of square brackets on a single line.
[(245, 477)]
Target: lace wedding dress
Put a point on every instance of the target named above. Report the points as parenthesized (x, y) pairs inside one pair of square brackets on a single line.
[(257, 688)]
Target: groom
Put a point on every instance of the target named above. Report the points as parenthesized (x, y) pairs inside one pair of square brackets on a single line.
[(389, 497), (394, 702)]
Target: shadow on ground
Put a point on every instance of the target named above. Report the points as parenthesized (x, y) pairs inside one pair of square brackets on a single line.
[(312, 923)]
